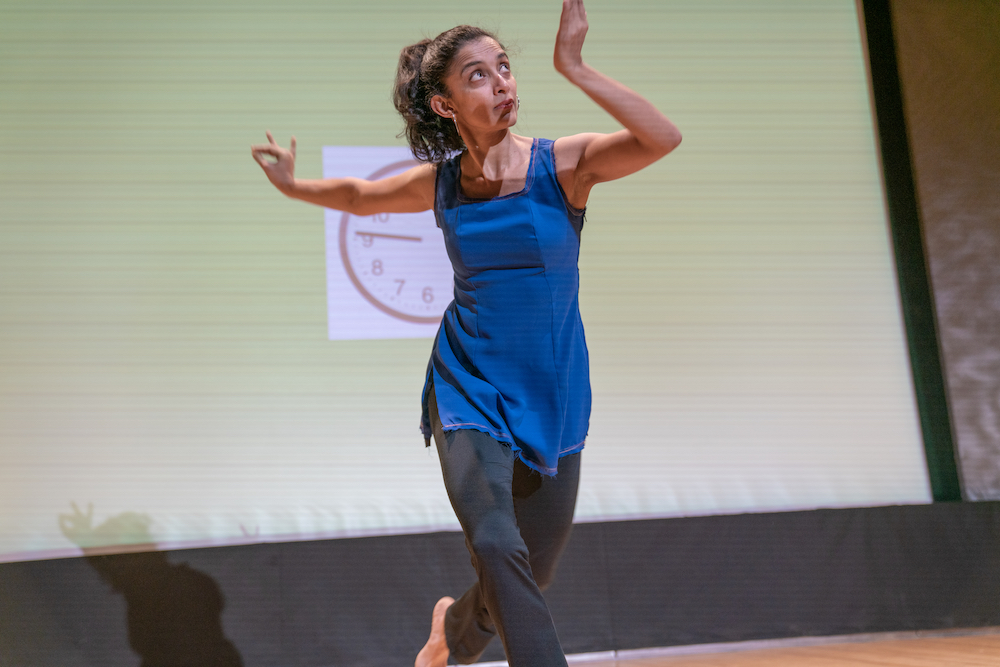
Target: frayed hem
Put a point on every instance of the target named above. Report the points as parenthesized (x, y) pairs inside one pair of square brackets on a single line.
[(545, 472), (551, 472), (575, 449), (499, 436), (508, 441)]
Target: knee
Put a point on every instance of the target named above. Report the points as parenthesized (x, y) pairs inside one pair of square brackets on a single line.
[(543, 566), (543, 578), (495, 542)]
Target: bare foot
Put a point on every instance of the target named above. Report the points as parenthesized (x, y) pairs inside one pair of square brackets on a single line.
[(435, 651)]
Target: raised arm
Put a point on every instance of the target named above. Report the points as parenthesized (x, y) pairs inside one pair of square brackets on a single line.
[(587, 159), (409, 192)]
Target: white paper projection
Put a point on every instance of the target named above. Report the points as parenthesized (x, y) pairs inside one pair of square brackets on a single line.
[(387, 275)]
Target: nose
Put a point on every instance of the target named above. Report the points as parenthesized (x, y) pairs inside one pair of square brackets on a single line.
[(500, 84)]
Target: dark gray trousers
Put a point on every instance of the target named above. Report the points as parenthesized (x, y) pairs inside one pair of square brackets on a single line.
[(516, 525)]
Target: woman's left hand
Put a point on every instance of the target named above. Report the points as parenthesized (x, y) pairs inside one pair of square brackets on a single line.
[(569, 41), (590, 158)]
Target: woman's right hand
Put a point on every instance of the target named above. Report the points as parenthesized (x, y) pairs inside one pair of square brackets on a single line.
[(281, 171)]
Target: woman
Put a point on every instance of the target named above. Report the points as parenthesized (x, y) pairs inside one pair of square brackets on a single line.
[(507, 396)]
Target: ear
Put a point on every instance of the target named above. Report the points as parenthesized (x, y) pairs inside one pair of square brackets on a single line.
[(442, 106)]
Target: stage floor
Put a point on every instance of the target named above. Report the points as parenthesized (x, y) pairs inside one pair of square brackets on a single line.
[(973, 648)]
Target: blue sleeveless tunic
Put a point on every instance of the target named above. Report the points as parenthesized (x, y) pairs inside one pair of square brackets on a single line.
[(510, 358)]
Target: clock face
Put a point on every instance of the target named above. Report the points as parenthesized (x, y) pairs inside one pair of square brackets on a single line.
[(397, 261)]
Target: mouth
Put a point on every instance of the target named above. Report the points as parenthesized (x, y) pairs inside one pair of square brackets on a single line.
[(506, 105)]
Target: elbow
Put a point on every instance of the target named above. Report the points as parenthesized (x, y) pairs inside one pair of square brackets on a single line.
[(663, 142), (353, 201)]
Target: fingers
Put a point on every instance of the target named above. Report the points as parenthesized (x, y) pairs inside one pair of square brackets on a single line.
[(573, 20), (265, 148), (258, 156), (261, 153), (573, 8), (272, 147), (570, 38), (573, 12), (258, 151)]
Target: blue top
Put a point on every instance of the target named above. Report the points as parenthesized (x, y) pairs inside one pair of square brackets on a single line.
[(510, 358)]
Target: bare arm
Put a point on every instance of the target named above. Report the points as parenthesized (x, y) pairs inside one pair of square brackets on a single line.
[(587, 159), (409, 192)]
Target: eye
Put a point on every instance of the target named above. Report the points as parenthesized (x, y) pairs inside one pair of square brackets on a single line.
[(478, 74), (504, 67)]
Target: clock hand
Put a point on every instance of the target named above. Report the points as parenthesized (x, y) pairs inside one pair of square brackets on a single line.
[(399, 237)]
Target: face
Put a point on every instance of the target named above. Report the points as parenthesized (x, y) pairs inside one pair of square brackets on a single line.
[(482, 90)]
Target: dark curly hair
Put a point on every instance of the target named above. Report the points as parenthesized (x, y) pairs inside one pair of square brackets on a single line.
[(419, 77)]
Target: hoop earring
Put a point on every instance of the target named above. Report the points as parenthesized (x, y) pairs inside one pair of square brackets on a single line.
[(518, 102)]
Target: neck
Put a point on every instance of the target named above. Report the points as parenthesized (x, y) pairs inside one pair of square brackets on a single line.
[(492, 156)]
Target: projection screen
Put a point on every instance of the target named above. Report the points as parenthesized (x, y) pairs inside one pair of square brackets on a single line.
[(170, 362)]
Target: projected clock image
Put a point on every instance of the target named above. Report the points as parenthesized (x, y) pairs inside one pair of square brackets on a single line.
[(397, 261)]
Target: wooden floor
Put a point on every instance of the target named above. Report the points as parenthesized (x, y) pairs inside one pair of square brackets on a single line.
[(981, 650)]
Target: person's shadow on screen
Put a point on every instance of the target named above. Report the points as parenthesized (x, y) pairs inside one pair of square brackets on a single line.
[(174, 611)]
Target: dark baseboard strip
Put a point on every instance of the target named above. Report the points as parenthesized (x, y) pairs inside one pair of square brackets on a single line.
[(699, 583)]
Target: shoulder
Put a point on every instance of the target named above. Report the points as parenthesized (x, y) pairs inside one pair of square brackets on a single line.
[(567, 153), (424, 171), (421, 174), (408, 192), (421, 181), (421, 178)]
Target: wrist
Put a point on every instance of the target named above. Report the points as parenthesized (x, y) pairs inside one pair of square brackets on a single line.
[(574, 72)]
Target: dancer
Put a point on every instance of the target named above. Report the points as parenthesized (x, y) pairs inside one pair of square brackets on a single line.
[(507, 393)]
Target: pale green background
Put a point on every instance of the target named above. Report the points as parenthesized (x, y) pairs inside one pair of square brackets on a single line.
[(162, 311)]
